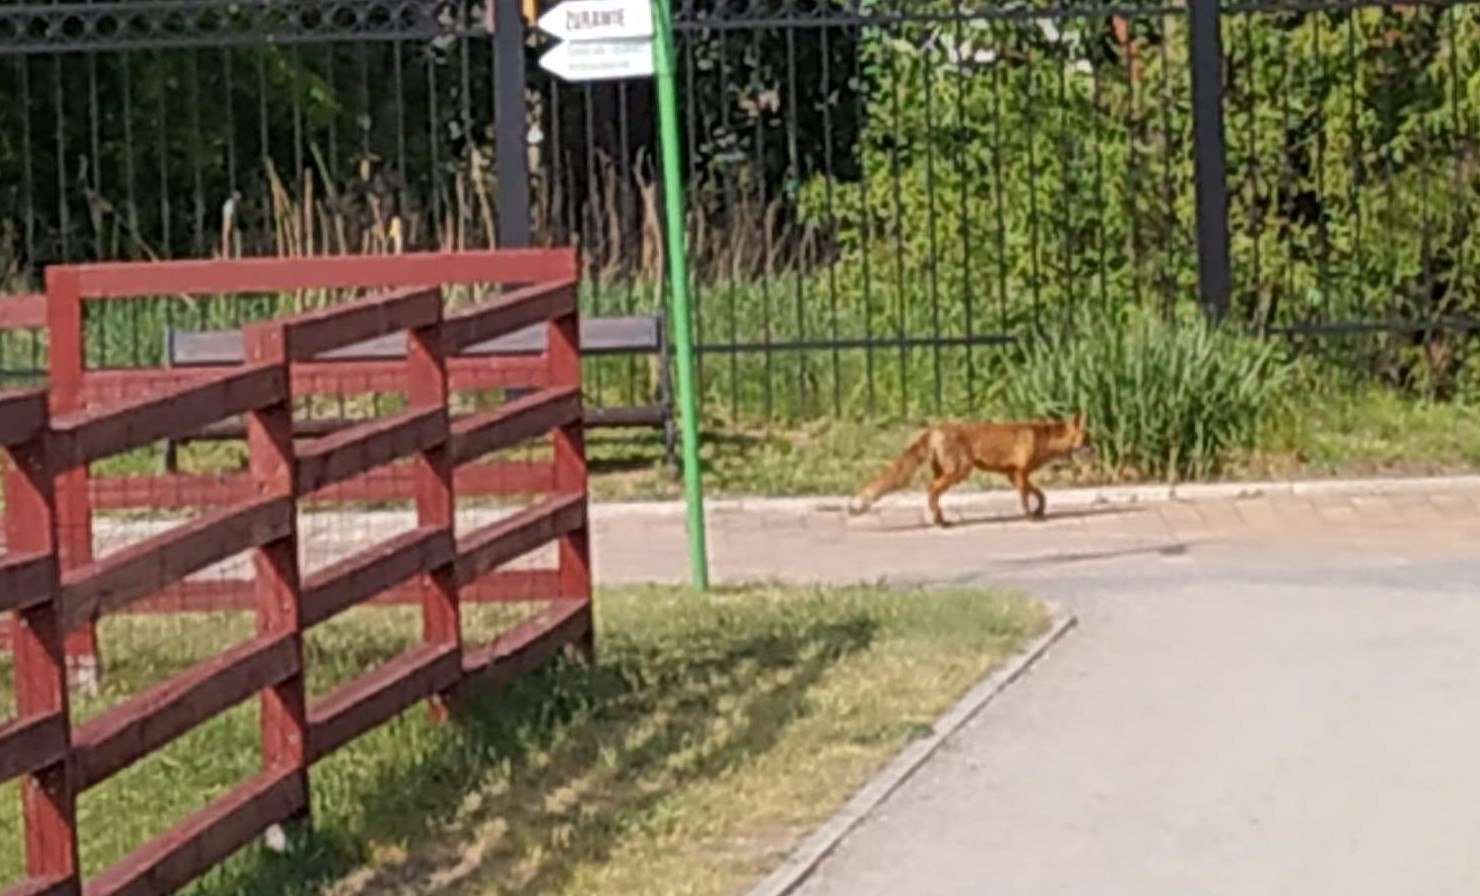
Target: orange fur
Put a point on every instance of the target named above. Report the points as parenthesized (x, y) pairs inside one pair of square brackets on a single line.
[(954, 450)]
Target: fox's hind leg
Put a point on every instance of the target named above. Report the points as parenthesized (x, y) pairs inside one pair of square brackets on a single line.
[(946, 478)]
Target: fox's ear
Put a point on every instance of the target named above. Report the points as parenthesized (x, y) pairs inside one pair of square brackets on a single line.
[(1079, 420)]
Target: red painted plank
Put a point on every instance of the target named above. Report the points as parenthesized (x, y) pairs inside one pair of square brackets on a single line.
[(236, 595), (104, 387), (44, 886), (313, 333), (266, 275), (92, 435), (25, 579), (483, 550), (518, 421), (23, 312), (170, 491), (122, 577), (148, 721), (33, 498), (509, 313), (384, 484), (376, 570), (22, 415), (33, 743), (177, 857), (531, 643), (569, 444), (344, 455), (377, 697)]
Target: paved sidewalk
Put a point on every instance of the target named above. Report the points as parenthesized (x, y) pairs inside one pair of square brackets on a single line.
[(1274, 695), (989, 540)]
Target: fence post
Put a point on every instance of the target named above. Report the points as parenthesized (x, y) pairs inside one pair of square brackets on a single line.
[(49, 797), (511, 133), (1210, 157), (273, 462), (564, 350), (426, 387), (66, 370)]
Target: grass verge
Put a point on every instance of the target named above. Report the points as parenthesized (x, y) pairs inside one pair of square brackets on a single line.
[(1366, 433), (713, 734)]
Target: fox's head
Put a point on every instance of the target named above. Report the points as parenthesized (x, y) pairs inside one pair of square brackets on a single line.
[(1081, 445)]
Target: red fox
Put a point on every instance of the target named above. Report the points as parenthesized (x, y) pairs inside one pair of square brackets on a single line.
[(954, 450)]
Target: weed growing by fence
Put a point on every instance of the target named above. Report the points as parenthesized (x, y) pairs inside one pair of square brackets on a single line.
[(1172, 399)]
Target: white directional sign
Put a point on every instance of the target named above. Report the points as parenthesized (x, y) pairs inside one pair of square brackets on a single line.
[(583, 20), (605, 60)]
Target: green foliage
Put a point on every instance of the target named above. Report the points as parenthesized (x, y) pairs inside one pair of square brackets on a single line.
[(1017, 174), (1164, 398)]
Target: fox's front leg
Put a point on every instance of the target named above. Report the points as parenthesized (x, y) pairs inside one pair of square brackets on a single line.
[(1028, 493)]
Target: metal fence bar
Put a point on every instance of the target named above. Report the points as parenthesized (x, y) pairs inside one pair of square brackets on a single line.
[(874, 187), (1210, 154)]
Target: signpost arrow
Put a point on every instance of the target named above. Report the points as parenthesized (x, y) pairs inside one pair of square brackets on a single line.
[(602, 60), (585, 20)]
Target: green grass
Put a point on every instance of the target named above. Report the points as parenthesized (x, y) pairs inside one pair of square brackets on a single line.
[(1370, 433), (712, 734)]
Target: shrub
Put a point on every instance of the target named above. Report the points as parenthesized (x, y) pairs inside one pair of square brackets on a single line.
[(1165, 398)]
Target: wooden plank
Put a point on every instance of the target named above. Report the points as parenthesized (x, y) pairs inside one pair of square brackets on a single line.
[(236, 595), (37, 505), (375, 570), (651, 416), (530, 643), (599, 336), (22, 415), (483, 550), (171, 491), (313, 333), (272, 461), (26, 311), (105, 387), (44, 886), (507, 314), (569, 443), (168, 862), (379, 696), (236, 431), (118, 280), (516, 422), (344, 455), (197, 348), (26, 579), (93, 435), (122, 577), (647, 416), (32, 743), (182, 490), (148, 721)]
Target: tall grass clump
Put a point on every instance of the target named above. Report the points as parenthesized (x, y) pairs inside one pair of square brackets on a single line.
[(1166, 398)]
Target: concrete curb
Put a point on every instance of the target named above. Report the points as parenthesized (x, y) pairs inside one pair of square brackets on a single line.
[(1005, 500), (806, 857)]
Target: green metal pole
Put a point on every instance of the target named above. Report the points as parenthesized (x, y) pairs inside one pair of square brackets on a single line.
[(678, 284)]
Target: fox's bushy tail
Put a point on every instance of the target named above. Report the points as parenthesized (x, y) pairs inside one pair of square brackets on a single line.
[(895, 476)]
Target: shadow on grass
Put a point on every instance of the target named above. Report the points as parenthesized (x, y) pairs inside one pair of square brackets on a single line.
[(556, 769)]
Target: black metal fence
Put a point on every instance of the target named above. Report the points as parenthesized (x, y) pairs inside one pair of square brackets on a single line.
[(888, 200)]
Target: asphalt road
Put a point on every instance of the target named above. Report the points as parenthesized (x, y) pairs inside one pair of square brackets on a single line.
[(1266, 710)]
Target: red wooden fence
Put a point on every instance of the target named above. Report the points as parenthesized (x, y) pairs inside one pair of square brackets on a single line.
[(57, 588)]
